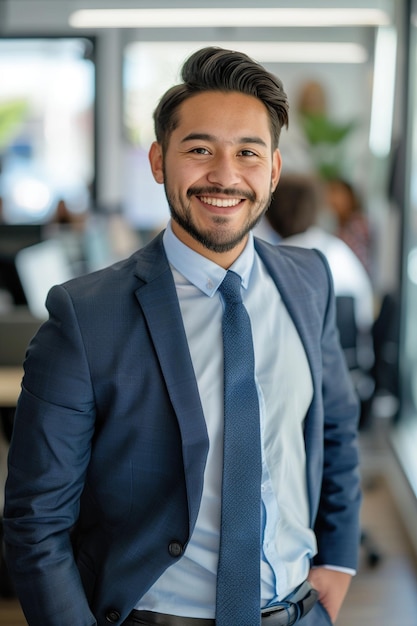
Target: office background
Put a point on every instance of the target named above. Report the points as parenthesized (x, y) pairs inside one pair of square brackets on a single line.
[(77, 91)]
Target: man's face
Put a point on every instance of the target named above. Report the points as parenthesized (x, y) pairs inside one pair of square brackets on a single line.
[(219, 171)]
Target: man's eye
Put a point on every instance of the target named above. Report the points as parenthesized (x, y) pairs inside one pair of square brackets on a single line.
[(200, 150), (247, 153)]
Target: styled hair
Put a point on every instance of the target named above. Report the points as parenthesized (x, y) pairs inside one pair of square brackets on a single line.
[(216, 69)]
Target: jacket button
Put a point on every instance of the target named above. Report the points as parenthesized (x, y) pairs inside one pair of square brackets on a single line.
[(175, 548), (112, 616)]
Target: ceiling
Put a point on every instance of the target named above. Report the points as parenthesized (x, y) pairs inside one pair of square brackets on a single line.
[(54, 15)]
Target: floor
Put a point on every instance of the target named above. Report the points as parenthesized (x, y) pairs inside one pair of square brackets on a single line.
[(385, 593), (381, 594)]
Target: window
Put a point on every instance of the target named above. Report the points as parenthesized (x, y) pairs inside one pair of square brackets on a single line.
[(46, 126), (405, 437)]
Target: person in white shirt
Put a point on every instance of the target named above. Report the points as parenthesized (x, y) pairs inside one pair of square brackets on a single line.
[(293, 218)]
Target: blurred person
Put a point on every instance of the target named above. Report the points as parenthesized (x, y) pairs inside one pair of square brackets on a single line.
[(294, 215), (113, 507), (64, 215), (351, 224)]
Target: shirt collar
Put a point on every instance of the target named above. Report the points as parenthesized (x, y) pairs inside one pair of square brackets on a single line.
[(200, 271)]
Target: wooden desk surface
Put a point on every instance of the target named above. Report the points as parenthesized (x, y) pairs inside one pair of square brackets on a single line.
[(10, 379)]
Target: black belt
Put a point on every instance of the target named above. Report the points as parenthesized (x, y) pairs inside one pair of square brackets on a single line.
[(287, 613), (293, 608)]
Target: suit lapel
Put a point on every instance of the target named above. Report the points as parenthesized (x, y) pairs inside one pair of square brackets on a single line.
[(296, 297), (159, 302)]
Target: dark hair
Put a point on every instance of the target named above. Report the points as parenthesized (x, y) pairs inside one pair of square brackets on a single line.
[(216, 69), (295, 204)]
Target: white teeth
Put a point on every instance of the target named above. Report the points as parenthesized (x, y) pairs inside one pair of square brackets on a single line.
[(220, 202)]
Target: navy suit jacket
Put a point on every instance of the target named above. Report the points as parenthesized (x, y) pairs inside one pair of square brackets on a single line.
[(109, 446)]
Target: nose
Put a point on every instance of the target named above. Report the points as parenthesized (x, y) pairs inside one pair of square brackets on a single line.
[(224, 171)]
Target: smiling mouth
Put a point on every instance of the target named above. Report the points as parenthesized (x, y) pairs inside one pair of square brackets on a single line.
[(220, 202)]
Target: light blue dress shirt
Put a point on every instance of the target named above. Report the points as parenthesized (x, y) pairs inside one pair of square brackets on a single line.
[(285, 391)]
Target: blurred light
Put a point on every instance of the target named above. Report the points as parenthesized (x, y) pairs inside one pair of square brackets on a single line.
[(300, 51), (33, 196), (383, 92), (412, 266), (221, 17), (276, 52)]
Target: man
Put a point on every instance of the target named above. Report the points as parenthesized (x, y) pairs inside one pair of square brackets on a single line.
[(113, 501)]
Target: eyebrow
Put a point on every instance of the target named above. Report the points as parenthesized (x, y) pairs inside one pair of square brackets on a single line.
[(208, 137)]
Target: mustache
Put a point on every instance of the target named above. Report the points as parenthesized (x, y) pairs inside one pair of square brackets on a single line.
[(236, 193)]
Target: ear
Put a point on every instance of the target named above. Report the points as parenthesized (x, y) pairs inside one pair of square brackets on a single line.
[(156, 160), (276, 168)]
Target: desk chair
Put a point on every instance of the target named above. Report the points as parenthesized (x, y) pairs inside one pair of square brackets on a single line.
[(358, 349), (359, 353), (385, 332)]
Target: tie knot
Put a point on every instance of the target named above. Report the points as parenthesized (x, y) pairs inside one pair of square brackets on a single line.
[(230, 288)]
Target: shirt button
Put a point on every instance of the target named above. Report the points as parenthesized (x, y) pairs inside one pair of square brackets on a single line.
[(209, 284), (175, 548)]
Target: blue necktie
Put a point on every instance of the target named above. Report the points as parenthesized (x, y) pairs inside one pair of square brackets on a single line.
[(238, 573)]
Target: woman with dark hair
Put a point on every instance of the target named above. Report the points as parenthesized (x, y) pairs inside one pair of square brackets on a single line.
[(352, 225)]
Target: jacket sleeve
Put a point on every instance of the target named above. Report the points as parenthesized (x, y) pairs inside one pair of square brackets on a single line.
[(49, 454)]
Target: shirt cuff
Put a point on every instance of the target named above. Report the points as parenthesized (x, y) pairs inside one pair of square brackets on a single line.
[(337, 568)]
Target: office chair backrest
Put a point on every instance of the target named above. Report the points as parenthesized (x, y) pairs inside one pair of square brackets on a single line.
[(348, 329)]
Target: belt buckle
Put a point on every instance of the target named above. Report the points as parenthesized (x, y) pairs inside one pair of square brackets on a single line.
[(280, 615), (284, 607), (274, 610), (296, 605)]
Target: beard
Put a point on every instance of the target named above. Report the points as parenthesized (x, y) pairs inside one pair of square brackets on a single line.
[(216, 239)]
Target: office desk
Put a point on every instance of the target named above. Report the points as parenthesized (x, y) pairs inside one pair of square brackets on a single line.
[(10, 379)]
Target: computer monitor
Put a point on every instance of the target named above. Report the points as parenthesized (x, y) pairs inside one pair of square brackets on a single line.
[(40, 267)]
